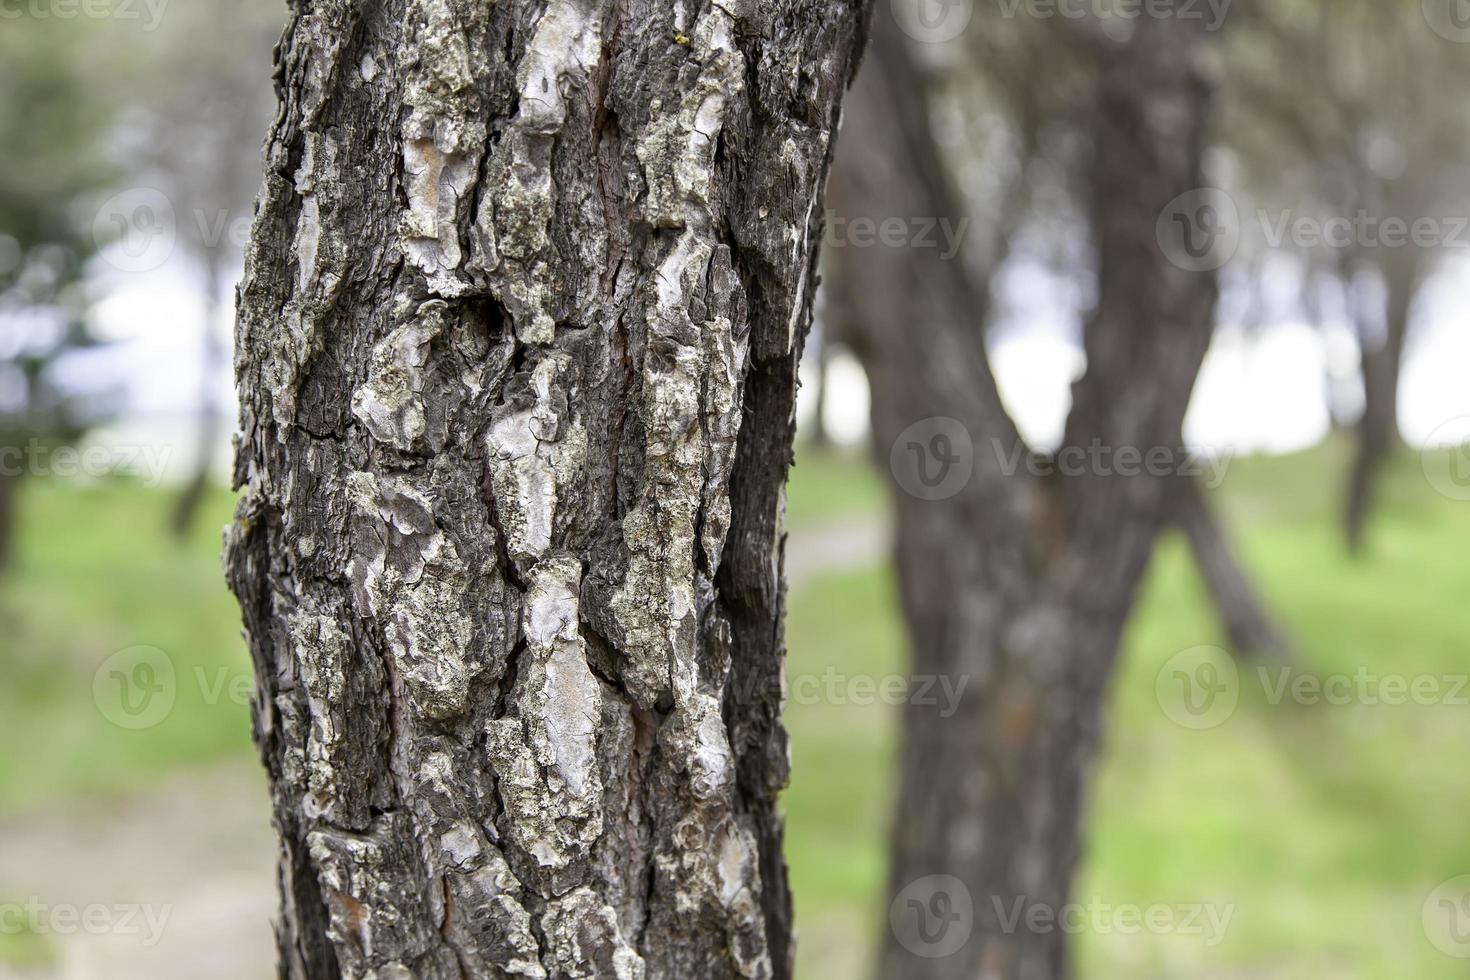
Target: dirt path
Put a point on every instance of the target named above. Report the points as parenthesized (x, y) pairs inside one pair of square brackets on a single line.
[(847, 543), (185, 872)]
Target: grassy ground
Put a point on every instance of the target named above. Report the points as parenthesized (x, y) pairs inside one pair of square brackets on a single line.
[(1324, 827)]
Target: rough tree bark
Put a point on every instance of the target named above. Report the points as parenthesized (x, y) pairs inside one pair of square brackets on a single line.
[(1032, 614), (517, 352)]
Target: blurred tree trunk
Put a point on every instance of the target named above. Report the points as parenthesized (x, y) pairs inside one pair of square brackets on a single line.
[(517, 352), (212, 356), (1250, 629), (1382, 365), (16, 439), (9, 492), (991, 797)]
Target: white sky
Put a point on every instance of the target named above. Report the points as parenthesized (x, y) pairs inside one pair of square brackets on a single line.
[(1260, 392)]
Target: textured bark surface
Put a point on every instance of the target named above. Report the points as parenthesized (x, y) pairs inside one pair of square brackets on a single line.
[(517, 349), (1019, 584)]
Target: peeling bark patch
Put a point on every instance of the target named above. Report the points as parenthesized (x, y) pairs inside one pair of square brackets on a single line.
[(323, 651), (546, 758), (376, 920), (390, 403), (583, 940), (531, 453), (410, 579), (677, 150), (443, 133), (436, 181), (514, 221), (485, 920)]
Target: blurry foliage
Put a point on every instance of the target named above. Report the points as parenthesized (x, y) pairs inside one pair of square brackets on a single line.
[(1351, 111), (194, 126), (194, 132), (1336, 113), (93, 107), (50, 126), (1328, 107)]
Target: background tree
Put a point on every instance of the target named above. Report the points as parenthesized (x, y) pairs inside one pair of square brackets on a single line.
[(1015, 144), (1033, 611), (517, 354)]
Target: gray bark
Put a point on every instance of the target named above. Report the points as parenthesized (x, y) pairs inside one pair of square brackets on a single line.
[(1032, 613), (517, 350)]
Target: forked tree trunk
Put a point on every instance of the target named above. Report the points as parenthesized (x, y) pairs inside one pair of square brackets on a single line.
[(517, 354), (1249, 627), (1019, 586)]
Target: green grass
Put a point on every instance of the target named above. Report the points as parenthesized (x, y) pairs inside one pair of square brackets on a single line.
[(828, 484), (96, 573), (1325, 827), (22, 948)]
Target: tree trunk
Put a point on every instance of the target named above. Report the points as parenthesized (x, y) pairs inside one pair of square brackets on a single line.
[(517, 352), (1382, 365), (989, 806), (1248, 626)]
